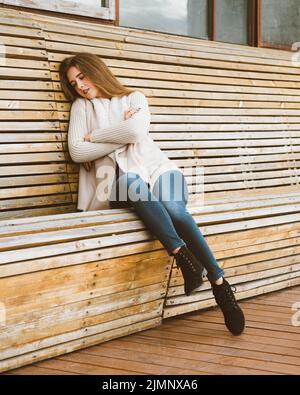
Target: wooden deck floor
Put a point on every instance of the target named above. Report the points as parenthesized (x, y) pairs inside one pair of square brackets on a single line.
[(196, 343)]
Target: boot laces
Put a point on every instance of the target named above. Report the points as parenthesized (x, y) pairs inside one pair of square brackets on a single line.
[(229, 298), (187, 259)]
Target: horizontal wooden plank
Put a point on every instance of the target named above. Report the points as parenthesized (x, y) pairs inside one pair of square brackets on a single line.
[(15, 202), (31, 158), (23, 95), (287, 137), (30, 147), (23, 64), (226, 112), (34, 125), (11, 72), (30, 211), (40, 190), (31, 180), (244, 144), (9, 105), (27, 115), (27, 53), (6, 28), (21, 41), (32, 169), (17, 85)]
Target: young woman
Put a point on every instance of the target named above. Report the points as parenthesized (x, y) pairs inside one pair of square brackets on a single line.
[(122, 166)]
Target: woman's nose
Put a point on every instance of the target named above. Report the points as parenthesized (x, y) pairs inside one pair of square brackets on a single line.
[(79, 84)]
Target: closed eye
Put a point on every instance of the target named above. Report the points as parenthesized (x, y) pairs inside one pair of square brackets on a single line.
[(81, 77)]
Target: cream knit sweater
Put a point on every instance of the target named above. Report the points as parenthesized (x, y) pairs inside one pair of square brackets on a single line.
[(113, 140)]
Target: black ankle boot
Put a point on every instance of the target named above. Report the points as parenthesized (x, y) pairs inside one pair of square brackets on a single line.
[(233, 314), (191, 269)]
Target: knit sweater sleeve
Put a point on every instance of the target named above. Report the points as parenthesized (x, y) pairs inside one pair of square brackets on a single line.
[(128, 131), (83, 151)]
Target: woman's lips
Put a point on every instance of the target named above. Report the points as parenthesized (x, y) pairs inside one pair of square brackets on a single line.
[(86, 91)]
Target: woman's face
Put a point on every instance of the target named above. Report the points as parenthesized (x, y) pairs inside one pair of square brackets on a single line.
[(82, 84)]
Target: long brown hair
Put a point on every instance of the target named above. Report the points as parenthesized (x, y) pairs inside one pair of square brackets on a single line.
[(96, 70)]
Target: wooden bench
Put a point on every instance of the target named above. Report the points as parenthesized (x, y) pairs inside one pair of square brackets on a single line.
[(70, 279)]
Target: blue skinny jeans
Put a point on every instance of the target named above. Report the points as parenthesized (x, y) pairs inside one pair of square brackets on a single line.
[(164, 213)]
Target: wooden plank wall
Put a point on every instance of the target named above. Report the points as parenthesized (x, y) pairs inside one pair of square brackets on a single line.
[(229, 109)]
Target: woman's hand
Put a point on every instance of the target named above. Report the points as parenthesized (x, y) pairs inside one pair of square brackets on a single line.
[(88, 165), (130, 112), (87, 137)]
